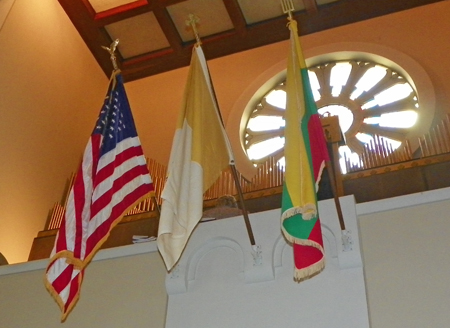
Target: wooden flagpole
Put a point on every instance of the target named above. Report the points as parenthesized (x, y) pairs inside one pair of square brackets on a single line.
[(335, 196), (241, 200), (333, 135)]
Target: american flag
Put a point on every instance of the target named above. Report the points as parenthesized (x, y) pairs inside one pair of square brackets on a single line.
[(112, 178)]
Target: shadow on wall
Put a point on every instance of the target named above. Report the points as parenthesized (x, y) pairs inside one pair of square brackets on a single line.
[(3, 260)]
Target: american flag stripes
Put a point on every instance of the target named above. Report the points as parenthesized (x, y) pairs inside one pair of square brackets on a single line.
[(111, 179)]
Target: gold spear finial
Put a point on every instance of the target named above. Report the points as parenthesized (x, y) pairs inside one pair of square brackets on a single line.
[(112, 54), (288, 7), (192, 21)]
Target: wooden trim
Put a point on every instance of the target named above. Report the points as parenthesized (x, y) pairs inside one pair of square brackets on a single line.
[(399, 166)]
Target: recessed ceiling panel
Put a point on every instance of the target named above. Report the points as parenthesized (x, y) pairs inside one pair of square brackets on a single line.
[(138, 35), (102, 5), (212, 18), (258, 11)]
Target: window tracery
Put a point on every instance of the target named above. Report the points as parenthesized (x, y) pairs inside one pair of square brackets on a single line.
[(370, 99)]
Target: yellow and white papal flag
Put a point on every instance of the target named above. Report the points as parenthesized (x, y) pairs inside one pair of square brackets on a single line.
[(200, 152)]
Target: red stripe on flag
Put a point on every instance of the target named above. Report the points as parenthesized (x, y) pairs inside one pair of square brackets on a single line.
[(78, 206), (96, 143), (118, 184), (319, 151), (74, 291), (305, 256), (316, 233), (105, 228), (61, 238), (119, 159), (63, 279)]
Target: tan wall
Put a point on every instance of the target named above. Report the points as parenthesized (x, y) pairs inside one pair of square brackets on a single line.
[(119, 292), (406, 264), (51, 91)]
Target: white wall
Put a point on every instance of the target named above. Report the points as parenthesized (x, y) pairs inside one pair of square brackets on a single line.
[(218, 284), (405, 243)]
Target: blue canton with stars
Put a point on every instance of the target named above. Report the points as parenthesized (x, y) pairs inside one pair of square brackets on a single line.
[(115, 122)]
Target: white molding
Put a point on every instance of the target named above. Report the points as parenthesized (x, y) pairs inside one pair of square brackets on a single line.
[(103, 254), (393, 203)]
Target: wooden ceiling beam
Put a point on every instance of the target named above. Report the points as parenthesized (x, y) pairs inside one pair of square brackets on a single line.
[(167, 26), (122, 12), (311, 6), (236, 16), (242, 37), (92, 35)]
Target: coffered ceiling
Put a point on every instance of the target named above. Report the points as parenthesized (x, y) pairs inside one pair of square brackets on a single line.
[(155, 36)]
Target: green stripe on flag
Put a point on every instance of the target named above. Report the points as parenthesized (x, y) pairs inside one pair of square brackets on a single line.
[(295, 225)]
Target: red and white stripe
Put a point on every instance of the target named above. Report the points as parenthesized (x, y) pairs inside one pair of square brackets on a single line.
[(105, 188)]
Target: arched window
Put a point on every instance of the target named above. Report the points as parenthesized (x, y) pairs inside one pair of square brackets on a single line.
[(370, 99)]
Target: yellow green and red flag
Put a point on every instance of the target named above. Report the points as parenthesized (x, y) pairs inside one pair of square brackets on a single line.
[(306, 154)]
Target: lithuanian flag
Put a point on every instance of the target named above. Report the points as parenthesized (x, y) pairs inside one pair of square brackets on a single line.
[(200, 151), (306, 154)]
